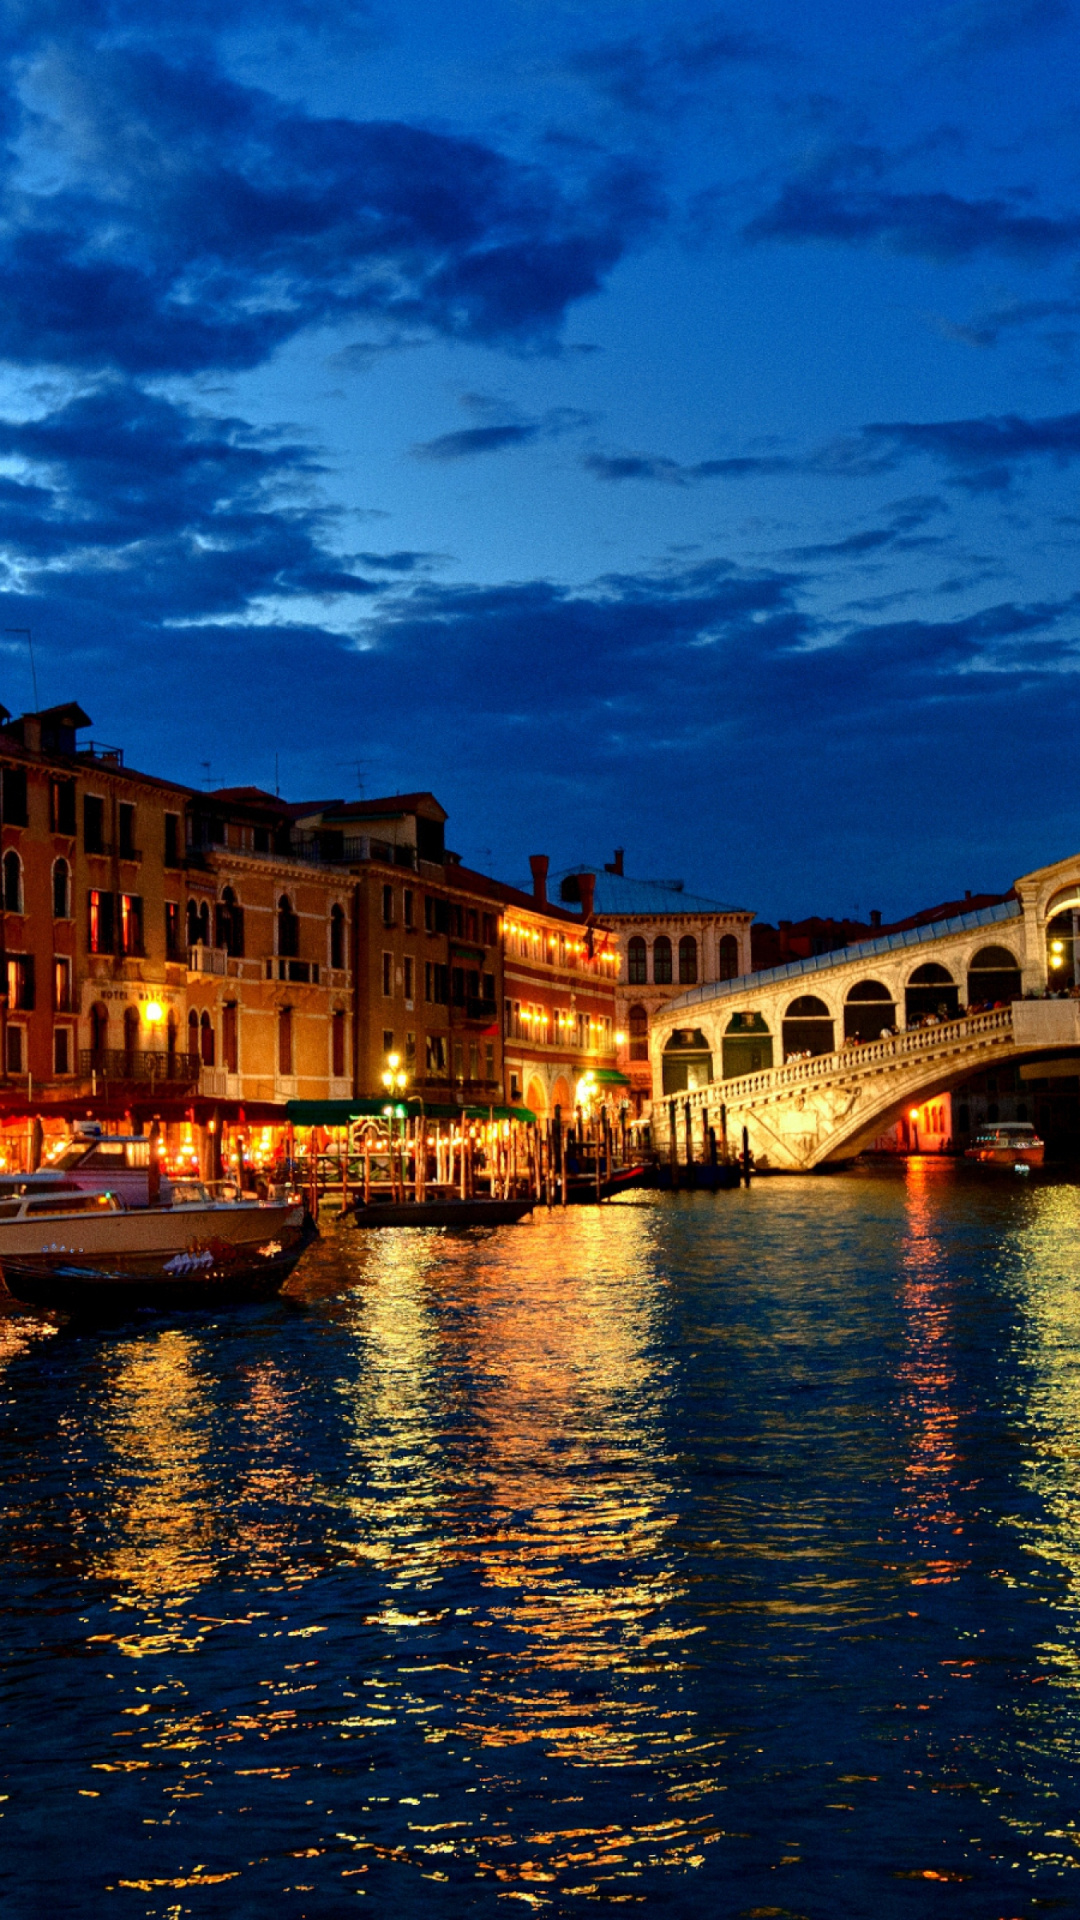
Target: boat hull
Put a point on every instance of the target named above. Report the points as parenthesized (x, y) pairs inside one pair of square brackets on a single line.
[(201, 1257), (1007, 1156)]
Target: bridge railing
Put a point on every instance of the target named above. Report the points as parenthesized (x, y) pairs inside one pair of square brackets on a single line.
[(855, 1058)]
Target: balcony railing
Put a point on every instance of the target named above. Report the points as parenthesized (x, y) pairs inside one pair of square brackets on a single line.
[(202, 959), (278, 968), (120, 1063)]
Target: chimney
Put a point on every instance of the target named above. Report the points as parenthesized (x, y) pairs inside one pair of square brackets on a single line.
[(967, 893), (539, 863), (587, 883), (616, 865), (875, 916)]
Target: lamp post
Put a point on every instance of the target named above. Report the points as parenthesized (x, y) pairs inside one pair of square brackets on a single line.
[(914, 1118), (395, 1080)]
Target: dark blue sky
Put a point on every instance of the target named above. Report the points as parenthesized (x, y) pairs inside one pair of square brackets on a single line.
[(642, 426)]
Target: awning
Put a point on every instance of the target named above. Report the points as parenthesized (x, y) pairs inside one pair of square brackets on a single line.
[(340, 1113), (475, 954), (609, 1077)]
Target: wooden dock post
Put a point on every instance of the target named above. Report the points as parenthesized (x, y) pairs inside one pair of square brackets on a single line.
[(673, 1145), (745, 1157)]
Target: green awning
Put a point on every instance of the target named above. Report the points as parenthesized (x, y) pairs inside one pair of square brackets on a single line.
[(339, 1113), (524, 1114), (609, 1077)]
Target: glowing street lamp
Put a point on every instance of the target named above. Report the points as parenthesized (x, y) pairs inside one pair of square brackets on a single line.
[(153, 1013), (394, 1076)]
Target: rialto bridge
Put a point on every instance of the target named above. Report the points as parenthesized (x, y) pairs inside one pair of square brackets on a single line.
[(816, 1059)]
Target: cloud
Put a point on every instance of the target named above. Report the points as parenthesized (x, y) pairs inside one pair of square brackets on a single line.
[(499, 435), (940, 226), (977, 28), (169, 219), (983, 454), (674, 473), (658, 75)]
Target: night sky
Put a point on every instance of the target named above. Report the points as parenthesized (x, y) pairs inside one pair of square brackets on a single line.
[(640, 425)]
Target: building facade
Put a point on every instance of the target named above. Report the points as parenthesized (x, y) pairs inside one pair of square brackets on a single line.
[(667, 940)]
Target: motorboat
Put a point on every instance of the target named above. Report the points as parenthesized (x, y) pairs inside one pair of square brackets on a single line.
[(1010, 1143), (441, 1211), (62, 1246)]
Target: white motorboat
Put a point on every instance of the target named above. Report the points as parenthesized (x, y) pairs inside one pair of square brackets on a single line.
[(61, 1246)]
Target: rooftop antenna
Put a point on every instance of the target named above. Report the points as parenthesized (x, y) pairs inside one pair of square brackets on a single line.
[(205, 764), (358, 768), (33, 669)]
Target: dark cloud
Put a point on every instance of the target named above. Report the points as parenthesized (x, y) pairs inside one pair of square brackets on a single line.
[(658, 74), (674, 473), (189, 222), (499, 435), (940, 226), (979, 27), (984, 455)]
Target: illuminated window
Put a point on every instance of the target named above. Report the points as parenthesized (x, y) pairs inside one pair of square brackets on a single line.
[(100, 928), (62, 984)]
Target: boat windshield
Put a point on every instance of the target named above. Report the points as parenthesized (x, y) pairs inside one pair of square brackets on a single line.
[(26, 1207)]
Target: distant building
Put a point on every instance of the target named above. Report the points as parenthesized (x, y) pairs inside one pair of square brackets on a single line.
[(668, 940)]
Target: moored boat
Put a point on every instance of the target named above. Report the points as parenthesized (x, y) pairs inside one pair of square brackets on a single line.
[(1009, 1144), (63, 1247)]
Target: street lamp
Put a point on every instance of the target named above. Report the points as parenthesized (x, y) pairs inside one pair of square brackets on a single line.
[(153, 1013), (914, 1118), (394, 1076)]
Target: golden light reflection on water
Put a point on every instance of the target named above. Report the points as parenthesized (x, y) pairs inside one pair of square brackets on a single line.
[(565, 1514), (927, 1378)]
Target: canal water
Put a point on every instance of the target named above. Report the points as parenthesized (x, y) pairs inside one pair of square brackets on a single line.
[(704, 1555)]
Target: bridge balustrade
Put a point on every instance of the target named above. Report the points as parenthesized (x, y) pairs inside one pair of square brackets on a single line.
[(846, 1060)]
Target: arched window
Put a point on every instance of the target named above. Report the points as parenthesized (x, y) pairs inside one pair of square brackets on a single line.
[(639, 1032), (99, 1034), (206, 1040), (13, 889), (687, 960), (284, 1036), (687, 1060), (337, 1043), (807, 1027), (747, 1045), (728, 957), (193, 1035), (931, 989), (337, 937), (198, 923), (170, 1047), (192, 924), (61, 890), (229, 928), (661, 960), (288, 929), (637, 970), (869, 1010), (994, 974)]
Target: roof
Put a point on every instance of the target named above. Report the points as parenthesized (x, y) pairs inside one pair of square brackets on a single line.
[(862, 950), (388, 805), (617, 893), (515, 896), (253, 795)]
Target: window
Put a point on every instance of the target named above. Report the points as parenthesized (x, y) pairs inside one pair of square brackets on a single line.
[(387, 1040), (62, 805), (407, 906), (131, 1037), (229, 923), (170, 1046), (193, 1034), (388, 906), (61, 984), (172, 839), (14, 1049), (288, 929), (687, 960), (437, 983), (410, 1053), (172, 929), (661, 960), (639, 1033), (198, 923), (93, 823), (637, 971), (474, 1060), (61, 890), (472, 925), (337, 1044), (435, 1053), (230, 1037), (337, 936), (436, 914), (409, 970), (131, 923), (285, 1042), (387, 975), (125, 830), (728, 957), (13, 889), (489, 930), (20, 981), (459, 1060), (14, 797), (457, 923), (62, 1050), (206, 1040), (100, 930), (489, 1061)]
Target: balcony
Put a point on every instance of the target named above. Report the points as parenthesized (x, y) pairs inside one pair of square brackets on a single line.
[(305, 971), (207, 960), (153, 1069)]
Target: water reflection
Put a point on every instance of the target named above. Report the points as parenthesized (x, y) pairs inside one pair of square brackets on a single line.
[(930, 1406)]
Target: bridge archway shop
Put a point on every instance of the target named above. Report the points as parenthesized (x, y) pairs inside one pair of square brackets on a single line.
[(869, 1011), (807, 1027), (993, 975), (747, 1045), (930, 989), (687, 1060)]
